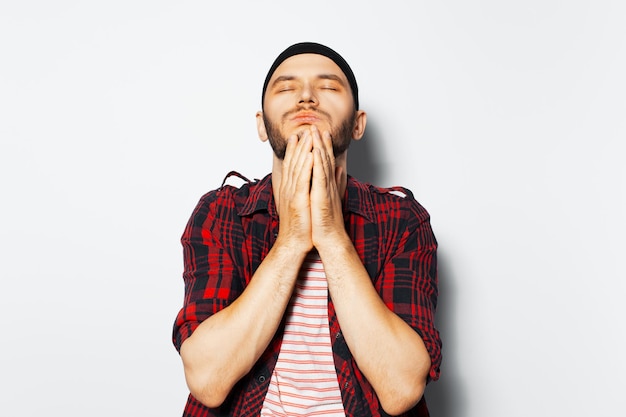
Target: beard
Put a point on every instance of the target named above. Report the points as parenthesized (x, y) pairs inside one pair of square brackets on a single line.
[(341, 136)]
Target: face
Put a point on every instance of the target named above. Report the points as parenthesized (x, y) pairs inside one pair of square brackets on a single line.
[(306, 90), (341, 136)]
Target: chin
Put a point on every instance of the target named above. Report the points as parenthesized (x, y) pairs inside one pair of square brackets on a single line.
[(306, 126)]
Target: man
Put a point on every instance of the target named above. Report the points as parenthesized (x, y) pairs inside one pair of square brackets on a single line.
[(309, 292)]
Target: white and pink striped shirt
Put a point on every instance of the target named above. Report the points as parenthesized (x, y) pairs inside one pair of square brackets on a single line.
[(304, 381)]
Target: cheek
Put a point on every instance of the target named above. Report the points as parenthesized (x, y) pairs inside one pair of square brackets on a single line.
[(278, 106), (341, 106)]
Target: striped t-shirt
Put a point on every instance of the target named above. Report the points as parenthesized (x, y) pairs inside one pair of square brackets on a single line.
[(304, 381)]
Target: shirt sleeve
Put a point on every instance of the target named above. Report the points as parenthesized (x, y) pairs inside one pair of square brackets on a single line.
[(408, 283), (209, 275)]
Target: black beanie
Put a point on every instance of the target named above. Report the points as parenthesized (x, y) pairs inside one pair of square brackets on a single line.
[(315, 48)]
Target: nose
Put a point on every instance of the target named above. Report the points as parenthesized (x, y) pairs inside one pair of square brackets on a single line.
[(307, 96)]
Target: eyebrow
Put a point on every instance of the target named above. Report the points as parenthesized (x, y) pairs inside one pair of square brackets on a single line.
[(283, 78), (332, 77)]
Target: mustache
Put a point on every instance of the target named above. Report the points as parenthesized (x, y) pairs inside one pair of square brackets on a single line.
[(292, 113)]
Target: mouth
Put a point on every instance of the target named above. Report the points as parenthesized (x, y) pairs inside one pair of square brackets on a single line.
[(305, 118)]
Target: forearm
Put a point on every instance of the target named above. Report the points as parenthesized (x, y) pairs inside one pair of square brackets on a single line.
[(388, 351), (226, 346)]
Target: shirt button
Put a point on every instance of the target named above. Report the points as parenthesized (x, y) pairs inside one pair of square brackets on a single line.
[(338, 335), (262, 378)]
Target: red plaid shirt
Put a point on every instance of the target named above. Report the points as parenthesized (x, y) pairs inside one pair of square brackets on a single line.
[(231, 231)]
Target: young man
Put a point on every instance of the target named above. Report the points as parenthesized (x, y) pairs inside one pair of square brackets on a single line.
[(309, 292)]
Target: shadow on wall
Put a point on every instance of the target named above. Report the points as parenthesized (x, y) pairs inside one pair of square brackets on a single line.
[(445, 397), (364, 161)]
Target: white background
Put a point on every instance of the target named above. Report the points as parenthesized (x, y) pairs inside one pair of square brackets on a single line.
[(505, 118)]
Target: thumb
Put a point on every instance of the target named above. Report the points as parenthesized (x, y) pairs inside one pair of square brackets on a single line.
[(338, 175)]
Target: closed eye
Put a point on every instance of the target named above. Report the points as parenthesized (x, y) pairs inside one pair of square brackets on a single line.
[(283, 83), (331, 82)]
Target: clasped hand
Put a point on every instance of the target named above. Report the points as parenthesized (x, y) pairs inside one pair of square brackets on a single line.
[(310, 207)]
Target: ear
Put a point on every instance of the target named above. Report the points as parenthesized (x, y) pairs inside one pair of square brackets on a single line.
[(260, 126), (359, 125)]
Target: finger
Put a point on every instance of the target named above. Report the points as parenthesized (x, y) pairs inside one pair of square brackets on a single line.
[(317, 141), (322, 173), (340, 179), (305, 144), (298, 147), (290, 154), (338, 176), (327, 154), (315, 133), (292, 143), (302, 164), (319, 168), (328, 144)]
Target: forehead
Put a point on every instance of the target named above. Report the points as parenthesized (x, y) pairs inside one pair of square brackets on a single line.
[(308, 65)]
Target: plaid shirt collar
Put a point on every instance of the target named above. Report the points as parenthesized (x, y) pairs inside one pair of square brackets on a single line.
[(260, 197)]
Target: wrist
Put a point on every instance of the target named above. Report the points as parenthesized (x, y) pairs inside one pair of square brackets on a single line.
[(292, 248), (334, 245)]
